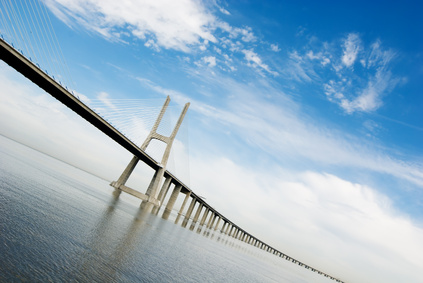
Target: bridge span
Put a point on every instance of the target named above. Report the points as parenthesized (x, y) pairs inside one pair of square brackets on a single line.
[(210, 217)]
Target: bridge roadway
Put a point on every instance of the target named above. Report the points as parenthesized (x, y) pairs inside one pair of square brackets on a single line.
[(27, 68)]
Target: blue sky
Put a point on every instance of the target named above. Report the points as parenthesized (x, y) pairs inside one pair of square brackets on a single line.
[(305, 124)]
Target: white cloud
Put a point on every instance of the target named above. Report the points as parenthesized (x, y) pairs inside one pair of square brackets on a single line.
[(296, 69), (370, 97), (210, 60), (358, 89), (380, 81), (168, 24), (351, 47), (275, 48), (152, 44), (319, 56), (255, 60)]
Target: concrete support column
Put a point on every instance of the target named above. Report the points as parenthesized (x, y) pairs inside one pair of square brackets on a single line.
[(206, 212), (223, 227), (237, 233), (227, 228), (181, 210), (164, 190), (189, 212), (162, 194), (171, 202), (210, 220), (217, 223), (126, 173), (230, 230), (214, 219), (197, 214), (155, 183), (233, 230)]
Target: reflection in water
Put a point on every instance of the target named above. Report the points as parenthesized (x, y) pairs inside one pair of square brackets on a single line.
[(166, 214), (88, 260), (178, 218), (105, 268)]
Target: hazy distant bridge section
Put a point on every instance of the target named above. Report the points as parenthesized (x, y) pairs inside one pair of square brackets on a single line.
[(199, 213)]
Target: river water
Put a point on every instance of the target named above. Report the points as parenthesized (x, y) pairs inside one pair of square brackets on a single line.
[(61, 224)]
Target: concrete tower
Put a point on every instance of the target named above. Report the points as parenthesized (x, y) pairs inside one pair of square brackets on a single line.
[(151, 193)]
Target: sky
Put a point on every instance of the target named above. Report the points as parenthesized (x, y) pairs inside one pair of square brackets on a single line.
[(305, 125)]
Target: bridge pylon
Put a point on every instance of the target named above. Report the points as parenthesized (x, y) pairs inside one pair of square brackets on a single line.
[(151, 193)]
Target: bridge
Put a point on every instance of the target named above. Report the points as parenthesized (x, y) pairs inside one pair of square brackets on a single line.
[(199, 213)]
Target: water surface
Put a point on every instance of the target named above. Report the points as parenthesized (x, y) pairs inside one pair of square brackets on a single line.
[(60, 224)]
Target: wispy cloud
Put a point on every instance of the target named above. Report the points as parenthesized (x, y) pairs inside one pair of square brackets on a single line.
[(274, 48), (189, 26), (253, 59), (351, 74), (351, 47), (374, 81), (210, 61)]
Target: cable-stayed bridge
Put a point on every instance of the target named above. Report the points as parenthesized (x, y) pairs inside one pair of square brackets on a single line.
[(29, 45)]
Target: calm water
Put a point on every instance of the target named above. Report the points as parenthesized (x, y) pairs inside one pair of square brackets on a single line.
[(61, 224)]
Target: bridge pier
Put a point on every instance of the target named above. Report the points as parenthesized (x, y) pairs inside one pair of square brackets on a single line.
[(210, 220), (227, 228), (235, 232), (197, 214), (212, 223), (126, 173), (217, 223), (162, 194), (231, 231), (171, 201), (203, 219), (182, 207), (223, 227), (189, 212)]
